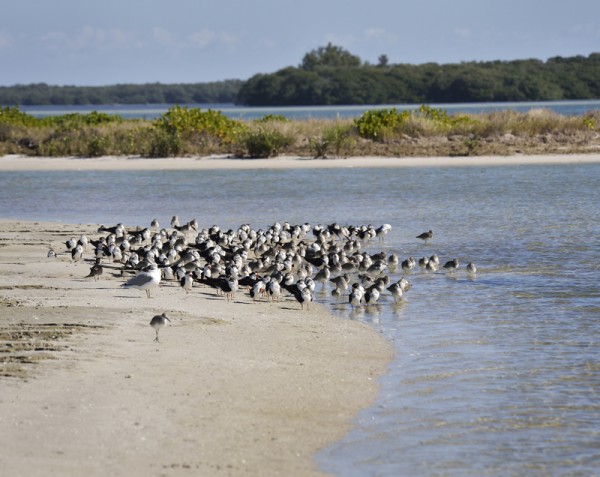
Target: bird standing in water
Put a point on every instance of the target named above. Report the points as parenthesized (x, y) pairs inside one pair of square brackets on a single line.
[(425, 236)]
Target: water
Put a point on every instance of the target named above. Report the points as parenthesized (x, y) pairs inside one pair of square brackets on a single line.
[(151, 111), (496, 374)]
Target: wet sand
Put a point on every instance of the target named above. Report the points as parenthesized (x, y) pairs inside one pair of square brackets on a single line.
[(235, 388)]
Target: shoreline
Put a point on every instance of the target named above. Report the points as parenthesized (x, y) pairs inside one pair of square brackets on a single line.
[(28, 163), (232, 388)]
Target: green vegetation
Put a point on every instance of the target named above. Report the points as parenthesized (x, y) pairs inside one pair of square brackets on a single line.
[(151, 93), (183, 131), (331, 75)]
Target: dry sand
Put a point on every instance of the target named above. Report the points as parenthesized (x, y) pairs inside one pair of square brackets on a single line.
[(24, 163), (231, 389)]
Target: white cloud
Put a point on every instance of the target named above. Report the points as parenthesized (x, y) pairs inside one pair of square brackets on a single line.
[(91, 37), (202, 38), (6, 40), (464, 33)]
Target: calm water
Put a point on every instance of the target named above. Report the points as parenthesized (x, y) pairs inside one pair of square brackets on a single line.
[(151, 111), (497, 374)]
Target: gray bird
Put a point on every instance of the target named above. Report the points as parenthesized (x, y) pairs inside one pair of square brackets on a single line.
[(158, 322)]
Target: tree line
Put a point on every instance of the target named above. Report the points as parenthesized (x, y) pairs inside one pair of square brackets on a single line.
[(331, 75), (150, 93)]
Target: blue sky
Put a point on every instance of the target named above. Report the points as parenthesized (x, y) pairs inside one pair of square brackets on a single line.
[(82, 42)]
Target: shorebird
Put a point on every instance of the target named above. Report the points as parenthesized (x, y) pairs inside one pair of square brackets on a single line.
[(356, 295), (51, 253), (147, 279), (157, 322), (425, 236), (274, 289), (451, 265), (187, 281), (371, 296), (396, 290), (95, 271), (382, 231), (408, 264), (471, 268), (303, 296)]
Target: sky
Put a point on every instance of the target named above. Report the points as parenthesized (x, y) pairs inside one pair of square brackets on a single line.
[(94, 43)]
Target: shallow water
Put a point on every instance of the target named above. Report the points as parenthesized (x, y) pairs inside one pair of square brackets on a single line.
[(495, 374)]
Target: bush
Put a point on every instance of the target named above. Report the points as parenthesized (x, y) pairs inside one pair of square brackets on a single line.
[(185, 123), (336, 139), (266, 142), (374, 124)]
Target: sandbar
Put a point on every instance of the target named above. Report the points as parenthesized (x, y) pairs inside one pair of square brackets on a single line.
[(28, 163), (232, 388)]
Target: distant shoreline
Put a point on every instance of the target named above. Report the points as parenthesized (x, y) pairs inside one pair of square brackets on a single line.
[(29, 163)]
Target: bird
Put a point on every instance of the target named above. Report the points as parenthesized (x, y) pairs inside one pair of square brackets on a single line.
[(147, 279), (382, 231), (451, 265), (396, 290), (95, 271), (408, 264), (157, 322), (51, 253), (303, 296), (371, 296), (356, 295), (187, 281), (274, 290), (471, 268), (76, 253), (425, 236)]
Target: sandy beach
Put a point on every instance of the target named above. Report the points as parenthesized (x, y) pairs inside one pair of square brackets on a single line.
[(27, 163), (236, 388)]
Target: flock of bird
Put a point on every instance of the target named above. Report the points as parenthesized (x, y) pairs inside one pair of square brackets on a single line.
[(270, 264)]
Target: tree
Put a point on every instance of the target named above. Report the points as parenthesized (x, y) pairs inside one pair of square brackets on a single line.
[(329, 56)]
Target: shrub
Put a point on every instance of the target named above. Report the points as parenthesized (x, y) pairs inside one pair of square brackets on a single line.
[(336, 139), (374, 124), (186, 123), (266, 142)]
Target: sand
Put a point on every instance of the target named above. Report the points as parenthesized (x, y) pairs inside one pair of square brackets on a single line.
[(231, 388), (25, 163)]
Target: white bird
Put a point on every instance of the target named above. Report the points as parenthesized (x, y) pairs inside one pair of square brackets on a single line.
[(158, 322), (187, 281), (274, 289), (396, 290), (471, 268), (147, 279)]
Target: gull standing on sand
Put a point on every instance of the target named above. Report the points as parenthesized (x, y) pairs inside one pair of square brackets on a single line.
[(147, 279), (158, 322)]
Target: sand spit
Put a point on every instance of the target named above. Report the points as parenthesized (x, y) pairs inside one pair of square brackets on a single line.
[(26, 163), (231, 389)]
